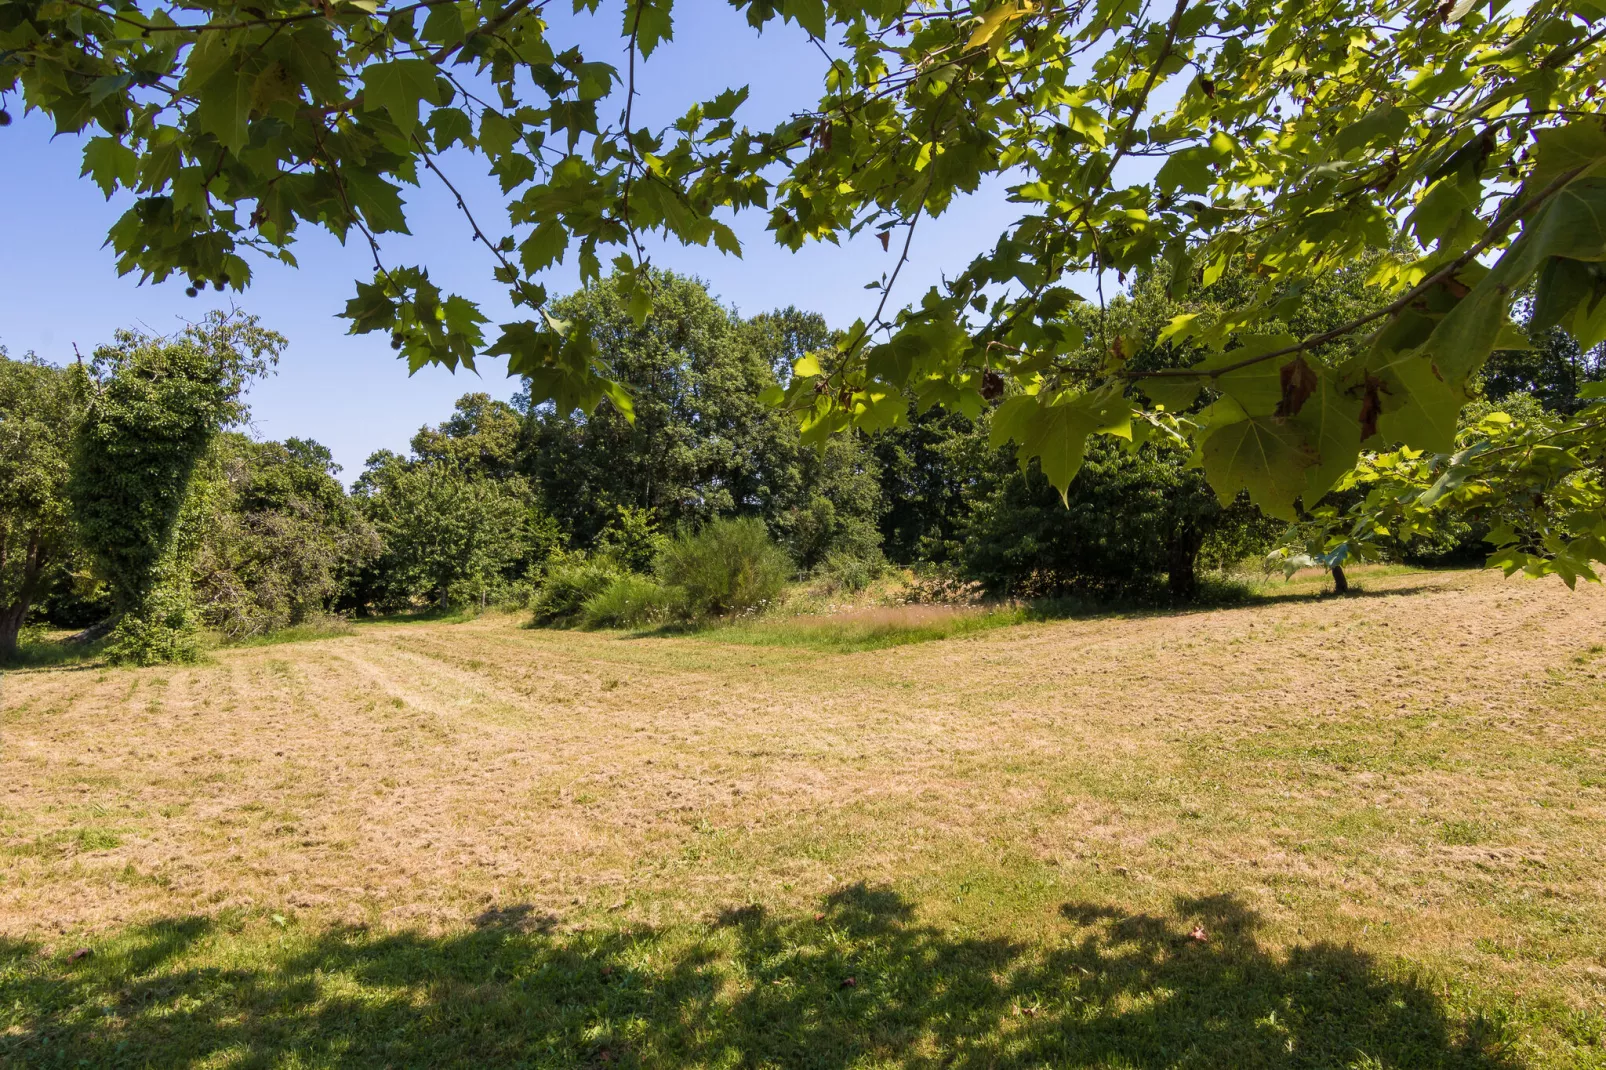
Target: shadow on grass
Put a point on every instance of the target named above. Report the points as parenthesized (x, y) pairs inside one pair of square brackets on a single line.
[(861, 983)]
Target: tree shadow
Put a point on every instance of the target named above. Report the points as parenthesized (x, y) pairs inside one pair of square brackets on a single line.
[(862, 982)]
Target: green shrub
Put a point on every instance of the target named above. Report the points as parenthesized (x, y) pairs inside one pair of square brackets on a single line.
[(571, 580), (730, 566), (160, 631), (630, 601), (848, 572), (632, 538)]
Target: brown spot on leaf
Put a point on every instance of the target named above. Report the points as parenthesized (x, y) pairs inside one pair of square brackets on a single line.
[(1299, 382), (1371, 407)]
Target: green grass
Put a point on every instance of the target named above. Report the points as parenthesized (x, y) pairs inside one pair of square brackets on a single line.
[(48, 651), (875, 630), (1390, 859), (860, 982), (328, 627)]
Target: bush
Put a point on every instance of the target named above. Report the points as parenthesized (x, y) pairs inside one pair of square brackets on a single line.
[(847, 572), (632, 539), (730, 566), (630, 601), (573, 579), (162, 630)]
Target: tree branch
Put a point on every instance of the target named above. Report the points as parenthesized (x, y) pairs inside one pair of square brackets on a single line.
[(1497, 229)]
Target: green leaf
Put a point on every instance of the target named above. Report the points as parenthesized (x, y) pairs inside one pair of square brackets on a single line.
[(544, 247), (640, 302), (725, 240), (1571, 224), (450, 125), (397, 87), (223, 108), (371, 310), (1010, 420), (992, 21), (1384, 123), (1419, 408), (1056, 434), (1180, 328), (618, 396), (1564, 284), (110, 163), (1259, 386), (1329, 422), (596, 80), (1580, 143), (379, 201), (1173, 393), (1263, 455), (650, 21), (444, 26), (497, 133), (1188, 170)]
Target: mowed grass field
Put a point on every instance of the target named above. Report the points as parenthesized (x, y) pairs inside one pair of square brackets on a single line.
[(1303, 832)]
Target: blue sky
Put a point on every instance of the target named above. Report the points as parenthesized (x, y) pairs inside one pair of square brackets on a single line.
[(59, 288)]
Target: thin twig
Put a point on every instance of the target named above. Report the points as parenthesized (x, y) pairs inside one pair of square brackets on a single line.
[(479, 234)]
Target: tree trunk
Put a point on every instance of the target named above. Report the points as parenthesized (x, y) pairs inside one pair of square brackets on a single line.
[(1340, 582), (15, 615), (1181, 554), (12, 618)]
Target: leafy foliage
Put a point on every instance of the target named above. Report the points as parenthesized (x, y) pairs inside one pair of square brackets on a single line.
[(1529, 481), (283, 541), (39, 408), (730, 566), (570, 582), (697, 442), (155, 406), (448, 536), (1288, 143), (1126, 518), (628, 601)]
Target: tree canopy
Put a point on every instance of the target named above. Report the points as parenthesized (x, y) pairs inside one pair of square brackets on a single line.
[(39, 408), (1457, 142), (155, 407)]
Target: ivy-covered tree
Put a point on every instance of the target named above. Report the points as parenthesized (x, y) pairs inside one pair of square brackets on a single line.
[(1289, 138), (39, 408), (155, 406)]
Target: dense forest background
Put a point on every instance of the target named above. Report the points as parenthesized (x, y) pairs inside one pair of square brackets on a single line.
[(133, 500)]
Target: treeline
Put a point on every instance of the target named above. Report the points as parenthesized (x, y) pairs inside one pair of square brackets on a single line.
[(130, 505)]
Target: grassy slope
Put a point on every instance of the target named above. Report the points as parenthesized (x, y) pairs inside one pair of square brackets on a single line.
[(1299, 833)]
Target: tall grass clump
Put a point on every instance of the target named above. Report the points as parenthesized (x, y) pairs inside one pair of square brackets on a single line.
[(570, 582), (629, 601), (729, 566)]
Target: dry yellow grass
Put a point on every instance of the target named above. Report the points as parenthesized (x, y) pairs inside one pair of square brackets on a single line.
[(1419, 771)]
